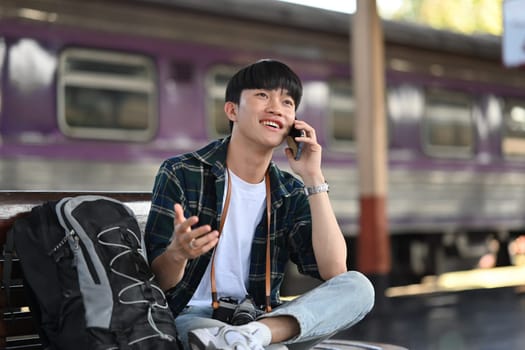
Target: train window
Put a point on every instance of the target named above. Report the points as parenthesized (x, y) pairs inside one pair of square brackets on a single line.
[(107, 95), (514, 127), (216, 83), (448, 128), (342, 113)]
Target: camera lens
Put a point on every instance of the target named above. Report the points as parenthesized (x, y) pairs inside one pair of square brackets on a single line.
[(244, 313), (242, 318)]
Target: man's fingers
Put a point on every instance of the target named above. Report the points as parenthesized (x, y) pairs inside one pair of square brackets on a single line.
[(191, 242), (180, 223), (179, 214), (203, 243)]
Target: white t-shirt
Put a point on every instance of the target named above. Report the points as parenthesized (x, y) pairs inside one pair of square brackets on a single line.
[(232, 258)]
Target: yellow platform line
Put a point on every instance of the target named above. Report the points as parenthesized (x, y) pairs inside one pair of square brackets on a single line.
[(497, 277)]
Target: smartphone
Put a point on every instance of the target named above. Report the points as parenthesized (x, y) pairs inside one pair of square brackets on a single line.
[(296, 147)]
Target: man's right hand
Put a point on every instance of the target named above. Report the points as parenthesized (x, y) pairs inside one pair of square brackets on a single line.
[(188, 243)]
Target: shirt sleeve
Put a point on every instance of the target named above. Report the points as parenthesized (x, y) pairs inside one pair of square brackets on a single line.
[(167, 191), (300, 239)]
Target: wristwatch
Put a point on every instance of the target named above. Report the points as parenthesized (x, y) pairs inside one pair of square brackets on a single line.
[(316, 189)]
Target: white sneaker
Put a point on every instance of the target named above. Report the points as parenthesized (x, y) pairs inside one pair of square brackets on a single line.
[(223, 338)]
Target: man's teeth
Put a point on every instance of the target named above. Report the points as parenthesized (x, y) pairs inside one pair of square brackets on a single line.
[(270, 123)]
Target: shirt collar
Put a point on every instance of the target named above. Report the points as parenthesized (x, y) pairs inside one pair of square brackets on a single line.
[(214, 154)]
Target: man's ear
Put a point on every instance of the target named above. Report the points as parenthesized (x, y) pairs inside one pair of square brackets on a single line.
[(230, 109)]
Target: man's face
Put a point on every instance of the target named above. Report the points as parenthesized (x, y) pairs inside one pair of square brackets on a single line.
[(265, 115)]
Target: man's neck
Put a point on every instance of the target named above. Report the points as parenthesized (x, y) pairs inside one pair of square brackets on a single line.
[(248, 163)]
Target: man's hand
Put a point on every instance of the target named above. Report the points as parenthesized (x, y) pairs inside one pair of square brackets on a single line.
[(188, 243), (308, 167)]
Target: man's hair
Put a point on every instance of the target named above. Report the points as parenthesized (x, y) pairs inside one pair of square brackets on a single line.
[(265, 74)]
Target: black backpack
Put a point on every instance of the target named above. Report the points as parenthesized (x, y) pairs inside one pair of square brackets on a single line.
[(83, 259)]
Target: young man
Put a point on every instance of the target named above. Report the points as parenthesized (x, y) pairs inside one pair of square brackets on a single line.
[(209, 235)]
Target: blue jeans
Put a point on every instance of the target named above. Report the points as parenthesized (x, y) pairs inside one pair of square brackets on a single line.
[(335, 305)]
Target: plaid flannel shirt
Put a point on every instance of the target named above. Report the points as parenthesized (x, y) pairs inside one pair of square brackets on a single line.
[(197, 180)]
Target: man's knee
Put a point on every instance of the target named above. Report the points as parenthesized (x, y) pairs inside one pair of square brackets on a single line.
[(361, 288)]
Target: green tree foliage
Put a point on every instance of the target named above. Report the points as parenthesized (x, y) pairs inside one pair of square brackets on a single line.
[(466, 16)]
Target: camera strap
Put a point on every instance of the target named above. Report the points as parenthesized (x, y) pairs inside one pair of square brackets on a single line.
[(215, 301)]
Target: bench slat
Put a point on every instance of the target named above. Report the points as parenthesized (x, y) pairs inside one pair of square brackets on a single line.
[(22, 325), (26, 343)]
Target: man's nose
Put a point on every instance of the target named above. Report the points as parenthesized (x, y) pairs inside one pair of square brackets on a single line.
[(274, 106)]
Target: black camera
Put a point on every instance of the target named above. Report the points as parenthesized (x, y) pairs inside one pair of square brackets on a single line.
[(236, 313)]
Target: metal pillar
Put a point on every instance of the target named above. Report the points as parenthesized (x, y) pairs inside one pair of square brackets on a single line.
[(367, 52)]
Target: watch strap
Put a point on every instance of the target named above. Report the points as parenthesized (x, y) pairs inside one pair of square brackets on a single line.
[(316, 189)]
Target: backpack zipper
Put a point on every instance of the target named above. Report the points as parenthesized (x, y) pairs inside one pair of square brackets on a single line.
[(77, 243)]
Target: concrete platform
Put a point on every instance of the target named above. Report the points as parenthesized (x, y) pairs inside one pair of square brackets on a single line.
[(478, 319)]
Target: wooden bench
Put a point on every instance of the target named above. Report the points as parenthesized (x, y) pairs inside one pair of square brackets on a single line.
[(17, 330)]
